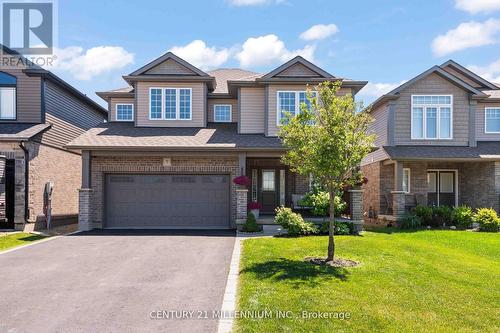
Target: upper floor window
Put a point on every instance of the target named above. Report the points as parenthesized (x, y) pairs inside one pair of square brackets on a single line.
[(431, 117), (222, 113), (124, 112), (7, 96), (291, 101), (492, 120), (170, 103)]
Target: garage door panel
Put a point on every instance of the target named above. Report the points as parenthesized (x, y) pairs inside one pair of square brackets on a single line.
[(167, 201)]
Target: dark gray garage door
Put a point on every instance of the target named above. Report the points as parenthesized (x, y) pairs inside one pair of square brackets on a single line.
[(167, 201)]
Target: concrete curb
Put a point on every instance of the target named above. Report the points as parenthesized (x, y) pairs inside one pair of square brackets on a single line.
[(229, 301)]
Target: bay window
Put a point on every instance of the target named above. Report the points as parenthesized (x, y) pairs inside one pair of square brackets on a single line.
[(431, 117), (290, 102)]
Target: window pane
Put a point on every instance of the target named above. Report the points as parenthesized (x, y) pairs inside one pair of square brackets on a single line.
[(170, 103), (222, 113), (406, 180), (286, 104), (185, 103), (418, 123), (155, 103), (303, 99), (431, 182), (445, 123), (431, 117), (7, 103), (446, 182), (493, 120), (254, 185), (124, 111), (282, 187), (268, 180)]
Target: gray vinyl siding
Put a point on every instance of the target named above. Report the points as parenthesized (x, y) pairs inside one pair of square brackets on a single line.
[(480, 125), (380, 124), (118, 100), (198, 105), (252, 104), (28, 96), (376, 156), (214, 101), (170, 67), (298, 70), (68, 116), (434, 85)]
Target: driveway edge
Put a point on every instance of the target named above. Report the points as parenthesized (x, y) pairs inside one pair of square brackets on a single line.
[(47, 239), (229, 302)]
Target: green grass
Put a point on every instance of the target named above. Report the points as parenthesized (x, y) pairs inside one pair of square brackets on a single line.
[(425, 281), (17, 239)]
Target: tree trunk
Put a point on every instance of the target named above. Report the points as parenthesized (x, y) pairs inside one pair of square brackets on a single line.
[(331, 227)]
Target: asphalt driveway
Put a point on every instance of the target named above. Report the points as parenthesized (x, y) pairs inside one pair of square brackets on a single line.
[(116, 281)]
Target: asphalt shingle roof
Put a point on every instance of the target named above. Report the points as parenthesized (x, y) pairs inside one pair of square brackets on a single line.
[(20, 131), (222, 75), (484, 150), (117, 135)]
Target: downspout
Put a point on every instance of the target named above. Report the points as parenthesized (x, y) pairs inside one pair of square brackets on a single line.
[(26, 181)]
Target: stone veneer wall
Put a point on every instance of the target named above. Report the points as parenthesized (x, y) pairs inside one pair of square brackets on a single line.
[(101, 165)]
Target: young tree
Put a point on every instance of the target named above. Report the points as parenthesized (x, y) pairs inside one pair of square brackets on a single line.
[(328, 140)]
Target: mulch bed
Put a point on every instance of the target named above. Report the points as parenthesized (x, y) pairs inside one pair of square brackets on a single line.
[(337, 262)]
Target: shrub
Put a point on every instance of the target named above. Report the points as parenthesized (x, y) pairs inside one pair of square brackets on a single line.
[(341, 228), (424, 213), (487, 219), (319, 201), (293, 223), (462, 217), (442, 215), (251, 224), (410, 221)]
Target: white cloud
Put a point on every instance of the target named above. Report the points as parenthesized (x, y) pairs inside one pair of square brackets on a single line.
[(93, 62), (319, 31), (466, 35), (490, 72), (200, 55), (269, 49), (243, 3), (373, 89), (478, 6)]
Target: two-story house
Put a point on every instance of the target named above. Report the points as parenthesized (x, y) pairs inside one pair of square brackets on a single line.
[(39, 114), (438, 139), (178, 136)]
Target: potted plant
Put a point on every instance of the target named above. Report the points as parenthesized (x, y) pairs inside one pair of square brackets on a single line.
[(242, 180), (254, 208)]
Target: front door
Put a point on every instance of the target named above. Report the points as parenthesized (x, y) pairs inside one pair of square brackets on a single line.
[(268, 190), (441, 186)]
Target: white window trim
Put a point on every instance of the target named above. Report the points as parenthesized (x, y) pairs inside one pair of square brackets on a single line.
[(409, 178), (230, 113), (15, 104), (297, 103), (116, 111), (177, 103), (438, 116), (485, 120)]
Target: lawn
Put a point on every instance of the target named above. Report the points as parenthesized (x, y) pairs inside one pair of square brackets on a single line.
[(425, 281), (17, 239)]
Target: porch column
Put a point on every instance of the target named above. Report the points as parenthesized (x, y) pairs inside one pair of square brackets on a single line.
[(85, 196), (357, 209), (398, 196), (241, 205), (242, 163)]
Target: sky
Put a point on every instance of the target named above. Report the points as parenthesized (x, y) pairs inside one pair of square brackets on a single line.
[(385, 42)]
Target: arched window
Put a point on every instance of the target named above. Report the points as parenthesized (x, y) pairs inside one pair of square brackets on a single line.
[(8, 85)]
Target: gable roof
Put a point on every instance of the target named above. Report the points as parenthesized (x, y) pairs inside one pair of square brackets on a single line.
[(298, 60), (393, 94), (468, 73), (165, 57)]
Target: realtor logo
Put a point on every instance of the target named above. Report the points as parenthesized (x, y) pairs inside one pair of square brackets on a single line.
[(28, 27)]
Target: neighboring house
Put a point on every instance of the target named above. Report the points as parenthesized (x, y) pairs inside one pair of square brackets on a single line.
[(439, 143), (178, 136), (39, 115)]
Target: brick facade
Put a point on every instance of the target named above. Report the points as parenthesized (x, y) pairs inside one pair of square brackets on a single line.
[(102, 165)]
